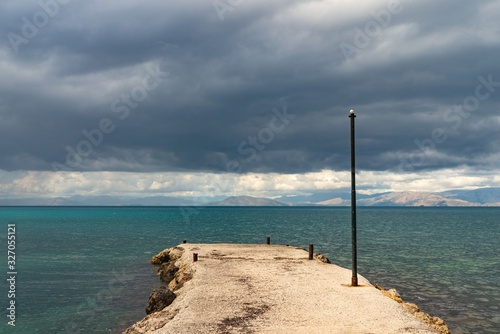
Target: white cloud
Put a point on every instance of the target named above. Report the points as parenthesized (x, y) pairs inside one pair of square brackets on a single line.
[(65, 184)]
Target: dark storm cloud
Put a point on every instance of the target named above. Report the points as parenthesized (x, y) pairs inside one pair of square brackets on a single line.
[(407, 65)]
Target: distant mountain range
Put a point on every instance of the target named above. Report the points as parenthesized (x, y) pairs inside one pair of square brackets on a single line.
[(247, 201), (476, 197)]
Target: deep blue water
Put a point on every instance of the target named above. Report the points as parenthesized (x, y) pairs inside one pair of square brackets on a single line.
[(86, 269)]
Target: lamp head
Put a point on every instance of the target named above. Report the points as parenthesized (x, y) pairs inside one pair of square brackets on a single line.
[(351, 111)]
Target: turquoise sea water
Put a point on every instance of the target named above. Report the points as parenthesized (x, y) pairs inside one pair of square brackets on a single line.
[(86, 269)]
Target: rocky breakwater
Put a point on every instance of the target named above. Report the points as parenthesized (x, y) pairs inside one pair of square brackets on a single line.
[(235, 288), (174, 273), (433, 322)]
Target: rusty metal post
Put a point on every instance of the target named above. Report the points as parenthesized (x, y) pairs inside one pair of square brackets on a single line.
[(268, 240), (195, 257), (311, 251)]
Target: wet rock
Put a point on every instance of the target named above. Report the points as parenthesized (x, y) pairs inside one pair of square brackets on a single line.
[(393, 294), (321, 257), (411, 308), (163, 256), (167, 255), (167, 272), (181, 276), (439, 325), (176, 253), (160, 298), (433, 322)]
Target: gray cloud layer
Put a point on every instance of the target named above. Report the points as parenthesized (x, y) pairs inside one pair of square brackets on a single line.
[(169, 86)]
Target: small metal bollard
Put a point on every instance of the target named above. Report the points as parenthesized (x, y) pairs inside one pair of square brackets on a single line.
[(195, 257), (311, 251), (268, 240), (184, 241)]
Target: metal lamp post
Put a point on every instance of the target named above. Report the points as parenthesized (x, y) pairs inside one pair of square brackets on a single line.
[(354, 279)]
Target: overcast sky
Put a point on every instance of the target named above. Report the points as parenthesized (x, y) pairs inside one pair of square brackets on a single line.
[(247, 97)]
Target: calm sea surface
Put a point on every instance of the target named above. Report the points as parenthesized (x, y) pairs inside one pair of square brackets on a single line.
[(86, 270)]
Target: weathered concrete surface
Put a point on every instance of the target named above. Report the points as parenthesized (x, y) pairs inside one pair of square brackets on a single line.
[(236, 288)]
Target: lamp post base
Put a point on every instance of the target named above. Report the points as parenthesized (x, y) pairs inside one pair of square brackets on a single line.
[(354, 281)]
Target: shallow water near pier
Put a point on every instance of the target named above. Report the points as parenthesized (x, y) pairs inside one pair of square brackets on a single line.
[(86, 269)]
